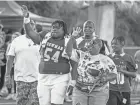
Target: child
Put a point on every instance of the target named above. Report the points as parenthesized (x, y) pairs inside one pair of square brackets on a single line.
[(119, 93)]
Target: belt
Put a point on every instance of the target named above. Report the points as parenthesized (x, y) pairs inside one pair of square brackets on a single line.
[(55, 72), (82, 88)]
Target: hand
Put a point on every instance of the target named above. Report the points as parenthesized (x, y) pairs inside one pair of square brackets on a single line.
[(25, 11), (121, 69), (8, 81), (69, 90), (76, 32), (104, 79)]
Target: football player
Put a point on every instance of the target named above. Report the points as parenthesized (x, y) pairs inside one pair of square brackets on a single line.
[(54, 65)]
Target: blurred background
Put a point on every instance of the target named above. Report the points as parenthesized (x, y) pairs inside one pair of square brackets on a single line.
[(111, 18), (121, 17)]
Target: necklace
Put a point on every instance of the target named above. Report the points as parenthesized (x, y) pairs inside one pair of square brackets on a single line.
[(29, 42)]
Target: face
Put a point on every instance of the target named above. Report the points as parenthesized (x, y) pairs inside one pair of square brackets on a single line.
[(57, 31), (88, 28), (116, 46), (94, 48)]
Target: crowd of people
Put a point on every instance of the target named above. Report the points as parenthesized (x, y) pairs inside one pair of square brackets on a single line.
[(46, 67)]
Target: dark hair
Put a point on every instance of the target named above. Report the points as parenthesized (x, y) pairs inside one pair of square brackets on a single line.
[(38, 28), (22, 31), (62, 24), (120, 39)]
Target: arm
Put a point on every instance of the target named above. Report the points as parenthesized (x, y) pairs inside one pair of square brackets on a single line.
[(36, 37), (71, 49), (110, 77), (31, 33), (127, 73), (9, 65), (70, 46), (131, 68), (74, 72), (73, 77)]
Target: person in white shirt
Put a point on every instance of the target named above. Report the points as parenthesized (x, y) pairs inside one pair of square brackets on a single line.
[(12, 94), (25, 56)]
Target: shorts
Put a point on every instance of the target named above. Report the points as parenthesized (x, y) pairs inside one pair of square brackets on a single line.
[(26, 93), (94, 98), (48, 94)]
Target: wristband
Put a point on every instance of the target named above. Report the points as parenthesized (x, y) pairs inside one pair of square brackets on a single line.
[(26, 20), (72, 82), (137, 78)]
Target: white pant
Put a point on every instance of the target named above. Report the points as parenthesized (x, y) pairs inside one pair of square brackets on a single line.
[(48, 94)]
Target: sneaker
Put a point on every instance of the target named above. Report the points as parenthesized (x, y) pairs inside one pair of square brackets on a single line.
[(4, 92), (9, 97), (68, 99), (14, 96)]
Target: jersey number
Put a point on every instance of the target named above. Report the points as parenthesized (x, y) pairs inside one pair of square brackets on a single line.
[(54, 57), (120, 78)]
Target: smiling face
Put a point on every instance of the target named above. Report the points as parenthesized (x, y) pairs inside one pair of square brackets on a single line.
[(88, 28), (117, 45), (57, 30), (94, 46)]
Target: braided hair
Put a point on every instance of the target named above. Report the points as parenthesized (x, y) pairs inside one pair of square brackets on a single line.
[(61, 24)]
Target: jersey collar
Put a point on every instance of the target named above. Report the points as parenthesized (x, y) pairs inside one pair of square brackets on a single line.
[(122, 54)]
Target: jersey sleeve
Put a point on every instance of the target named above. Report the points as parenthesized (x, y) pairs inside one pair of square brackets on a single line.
[(12, 47), (75, 55)]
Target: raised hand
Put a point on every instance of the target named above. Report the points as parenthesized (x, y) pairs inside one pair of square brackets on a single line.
[(25, 11), (76, 31)]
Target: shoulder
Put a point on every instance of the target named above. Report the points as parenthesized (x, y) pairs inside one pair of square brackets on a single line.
[(19, 38), (47, 35), (43, 34), (127, 56), (106, 59)]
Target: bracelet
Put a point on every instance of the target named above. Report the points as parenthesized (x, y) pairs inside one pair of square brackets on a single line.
[(26, 20)]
